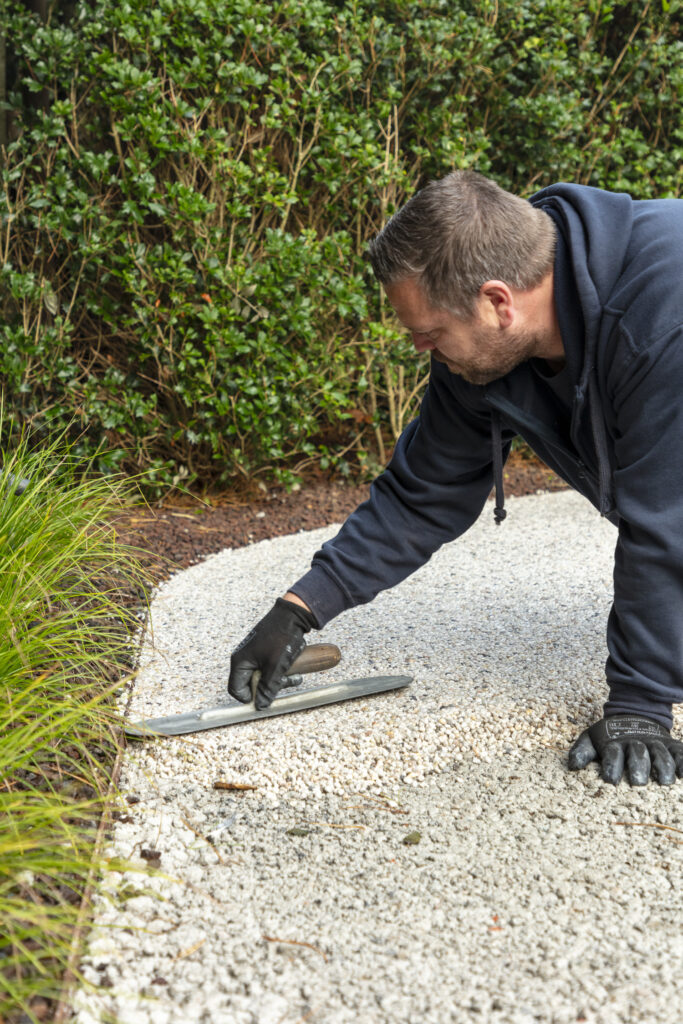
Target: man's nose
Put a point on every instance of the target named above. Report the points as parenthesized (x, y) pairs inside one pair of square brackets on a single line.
[(422, 342)]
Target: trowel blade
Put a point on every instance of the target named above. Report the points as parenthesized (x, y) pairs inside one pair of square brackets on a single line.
[(284, 704)]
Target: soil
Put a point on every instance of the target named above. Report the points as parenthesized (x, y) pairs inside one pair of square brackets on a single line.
[(178, 534)]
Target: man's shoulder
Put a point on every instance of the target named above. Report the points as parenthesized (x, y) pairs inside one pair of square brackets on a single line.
[(647, 296)]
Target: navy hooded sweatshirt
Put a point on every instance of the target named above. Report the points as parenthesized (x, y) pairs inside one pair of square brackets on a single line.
[(615, 435)]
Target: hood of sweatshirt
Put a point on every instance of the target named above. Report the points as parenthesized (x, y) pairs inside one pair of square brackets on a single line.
[(594, 229)]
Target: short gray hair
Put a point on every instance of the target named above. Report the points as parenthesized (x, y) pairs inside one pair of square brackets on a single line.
[(457, 233)]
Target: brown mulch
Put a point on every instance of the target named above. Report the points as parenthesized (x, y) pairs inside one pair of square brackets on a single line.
[(178, 534)]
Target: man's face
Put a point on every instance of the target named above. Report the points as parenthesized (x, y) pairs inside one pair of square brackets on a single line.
[(479, 350)]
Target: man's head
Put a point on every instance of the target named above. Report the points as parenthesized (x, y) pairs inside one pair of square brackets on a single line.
[(459, 232), (467, 268), (482, 349)]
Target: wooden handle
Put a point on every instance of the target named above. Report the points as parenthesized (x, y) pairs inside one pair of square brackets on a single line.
[(316, 658)]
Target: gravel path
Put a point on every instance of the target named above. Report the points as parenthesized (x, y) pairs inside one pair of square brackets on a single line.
[(422, 856)]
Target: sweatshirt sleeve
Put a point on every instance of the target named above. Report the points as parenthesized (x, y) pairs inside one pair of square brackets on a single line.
[(433, 489), (645, 627)]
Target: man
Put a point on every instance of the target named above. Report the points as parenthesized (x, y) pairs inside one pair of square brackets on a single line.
[(561, 320)]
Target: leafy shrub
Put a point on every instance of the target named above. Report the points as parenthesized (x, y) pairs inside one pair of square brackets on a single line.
[(191, 185)]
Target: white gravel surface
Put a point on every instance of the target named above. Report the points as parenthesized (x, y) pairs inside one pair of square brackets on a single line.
[(421, 857)]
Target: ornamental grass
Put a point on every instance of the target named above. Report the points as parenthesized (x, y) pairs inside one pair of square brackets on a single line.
[(70, 601)]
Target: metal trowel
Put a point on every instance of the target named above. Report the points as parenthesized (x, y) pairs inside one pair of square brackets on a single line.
[(315, 658)]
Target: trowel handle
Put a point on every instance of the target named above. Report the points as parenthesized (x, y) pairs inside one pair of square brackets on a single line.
[(315, 658)]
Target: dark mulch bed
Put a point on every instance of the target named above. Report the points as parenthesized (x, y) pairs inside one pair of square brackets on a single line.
[(178, 534)]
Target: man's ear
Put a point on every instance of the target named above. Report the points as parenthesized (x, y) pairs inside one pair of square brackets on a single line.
[(496, 303)]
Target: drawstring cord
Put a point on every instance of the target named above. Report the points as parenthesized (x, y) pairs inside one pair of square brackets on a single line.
[(499, 512), (600, 442)]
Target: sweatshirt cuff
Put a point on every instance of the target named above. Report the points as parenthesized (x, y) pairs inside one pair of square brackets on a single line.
[(625, 700), (322, 594)]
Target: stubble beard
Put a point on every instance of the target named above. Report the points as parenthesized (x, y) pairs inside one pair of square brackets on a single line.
[(495, 358)]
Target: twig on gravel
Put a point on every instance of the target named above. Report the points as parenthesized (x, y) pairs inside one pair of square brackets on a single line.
[(332, 824), (302, 1020), (652, 824), (219, 784), (200, 836), (307, 1016), (377, 803), (294, 942), (190, 950)]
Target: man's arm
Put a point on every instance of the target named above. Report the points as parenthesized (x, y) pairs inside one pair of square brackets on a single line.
[(432, 491), (645, 628), (289, 596)]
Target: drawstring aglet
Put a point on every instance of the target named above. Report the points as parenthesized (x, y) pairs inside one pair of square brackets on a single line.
[(499, 512)]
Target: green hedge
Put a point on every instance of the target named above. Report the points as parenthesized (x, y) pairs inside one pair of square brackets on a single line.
[(191, 184)]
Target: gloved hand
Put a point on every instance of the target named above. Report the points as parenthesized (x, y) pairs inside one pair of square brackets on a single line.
[(271, 647), (633, 740)]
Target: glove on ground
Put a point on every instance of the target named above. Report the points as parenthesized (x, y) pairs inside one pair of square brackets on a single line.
[(270, 647), (630, 741)]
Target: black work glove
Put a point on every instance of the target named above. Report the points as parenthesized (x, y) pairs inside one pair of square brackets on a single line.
[(271, 647), (631, 740)]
